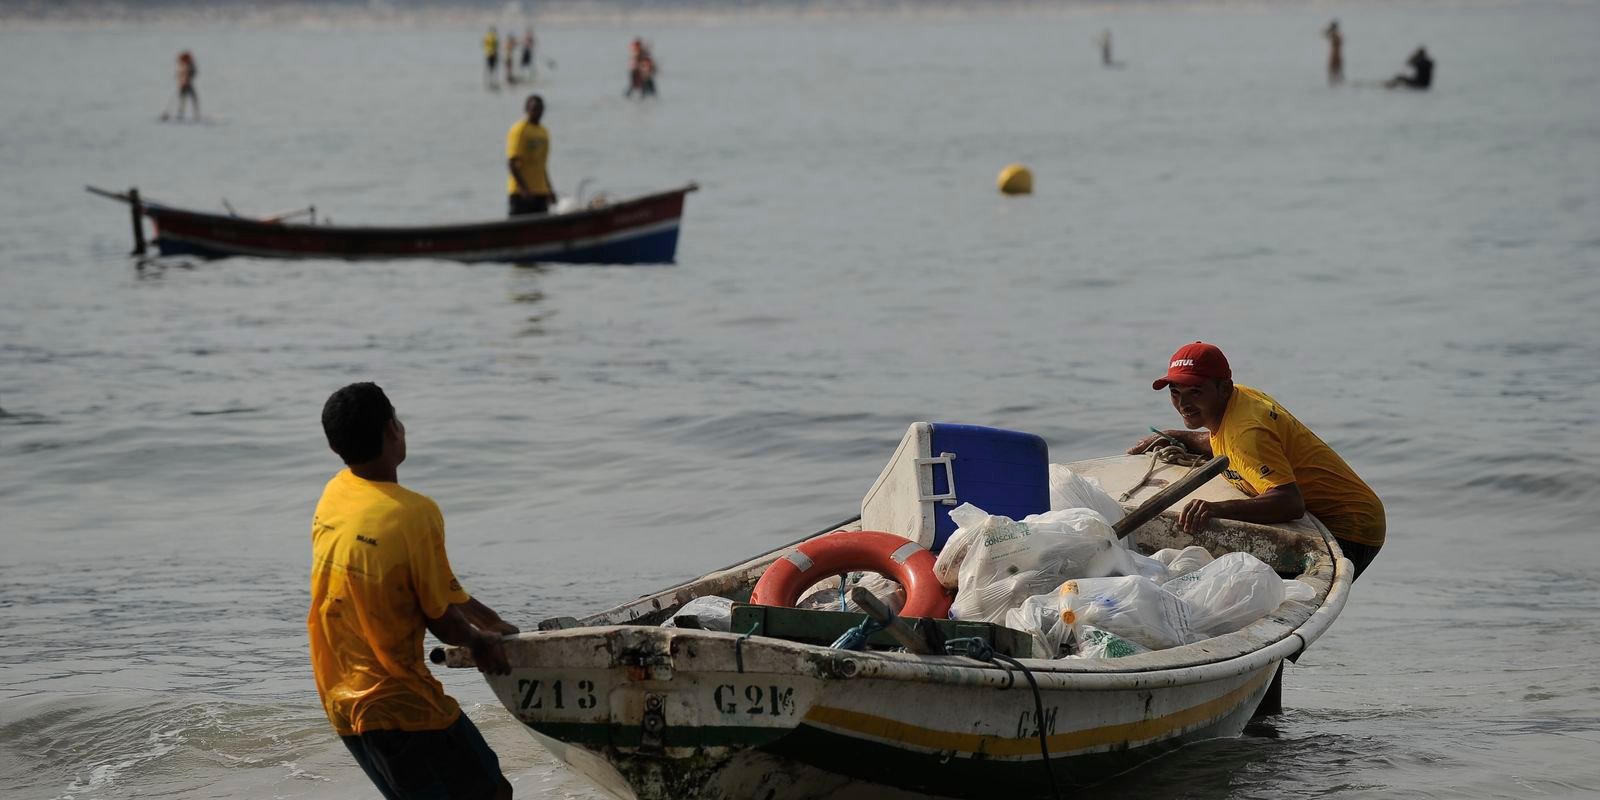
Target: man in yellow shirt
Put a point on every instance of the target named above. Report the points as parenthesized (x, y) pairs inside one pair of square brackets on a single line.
[(491, 56), (1284, 468), (528, 156), (379, 577)]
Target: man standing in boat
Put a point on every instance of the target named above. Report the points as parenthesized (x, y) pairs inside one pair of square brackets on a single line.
[(1284, 468), (528, 157), (379, 577)]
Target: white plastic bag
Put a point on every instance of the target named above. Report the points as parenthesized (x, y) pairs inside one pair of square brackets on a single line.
[(1009, 561), (1295, 590), (1152, 568), (1094, 642), (1185, 561), (715, 613), (1229, 593), (947, 568), (1068, 489), (1040, 617), (1133, 607)]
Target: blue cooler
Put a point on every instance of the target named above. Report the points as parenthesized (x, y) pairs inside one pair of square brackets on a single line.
[(939, 466)]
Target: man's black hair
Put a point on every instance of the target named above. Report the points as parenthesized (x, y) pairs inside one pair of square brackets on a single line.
[(354, 419)]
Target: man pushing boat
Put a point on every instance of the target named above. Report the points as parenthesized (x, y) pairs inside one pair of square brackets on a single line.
[(1284, 468), (379, 576)]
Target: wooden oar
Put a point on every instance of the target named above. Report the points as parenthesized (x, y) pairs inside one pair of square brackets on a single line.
[(1169, 496)]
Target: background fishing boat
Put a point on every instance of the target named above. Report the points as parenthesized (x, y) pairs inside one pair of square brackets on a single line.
[(642, 230), (673, 712)]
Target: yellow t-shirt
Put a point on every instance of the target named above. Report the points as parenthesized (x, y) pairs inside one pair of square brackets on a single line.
[(530, 145), (1267, 447), (378, 573), (491, 45)]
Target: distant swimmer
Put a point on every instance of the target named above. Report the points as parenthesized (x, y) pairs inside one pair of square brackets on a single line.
[(491, 56), (528, 158), (527, 53), (1421, 76), (1335, 53), (186, 94), (641, 70)]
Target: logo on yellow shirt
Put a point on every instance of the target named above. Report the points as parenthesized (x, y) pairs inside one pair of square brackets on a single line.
[(366, 540)]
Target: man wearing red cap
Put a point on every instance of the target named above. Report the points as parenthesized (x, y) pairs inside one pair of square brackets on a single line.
[(1278, 462)]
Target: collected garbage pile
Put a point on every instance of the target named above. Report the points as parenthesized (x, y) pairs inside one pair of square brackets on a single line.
[(1065, 578)]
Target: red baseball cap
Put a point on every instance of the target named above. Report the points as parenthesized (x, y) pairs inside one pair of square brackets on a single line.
[(1194, 364)]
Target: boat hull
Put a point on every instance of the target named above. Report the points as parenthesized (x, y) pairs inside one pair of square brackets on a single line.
[(659, 713), (639, 231)]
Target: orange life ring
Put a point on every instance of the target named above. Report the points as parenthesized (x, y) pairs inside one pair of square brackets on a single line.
[(907, 562)]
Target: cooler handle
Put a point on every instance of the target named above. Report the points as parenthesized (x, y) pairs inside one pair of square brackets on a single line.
[(949, 497)]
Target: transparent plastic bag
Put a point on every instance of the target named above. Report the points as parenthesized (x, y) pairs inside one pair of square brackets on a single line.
[(1068, 489), (1039, 616), (1229, 593), (1095, 642), (1133, 607), (1007, 561), (1295, 590), (714, 613), (1185, 561)]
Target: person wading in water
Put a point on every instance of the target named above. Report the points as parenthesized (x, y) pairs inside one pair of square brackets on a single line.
[(528, 157)]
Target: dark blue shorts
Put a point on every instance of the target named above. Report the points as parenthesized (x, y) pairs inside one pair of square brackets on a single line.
[(424, 765)]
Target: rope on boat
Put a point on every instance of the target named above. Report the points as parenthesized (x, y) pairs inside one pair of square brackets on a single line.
[(856, 638), (738, 647), (978, 649), (1172, 453)]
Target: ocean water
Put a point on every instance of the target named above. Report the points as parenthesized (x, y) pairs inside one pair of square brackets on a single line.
[(1417, 276)]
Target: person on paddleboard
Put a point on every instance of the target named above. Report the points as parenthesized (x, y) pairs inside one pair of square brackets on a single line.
[(527, 53), (491, 56), (379, 578), (1421, 76), (186, 73), (1284, 469), (528, 157), (1335, 53), (509, 46), (641, 70)]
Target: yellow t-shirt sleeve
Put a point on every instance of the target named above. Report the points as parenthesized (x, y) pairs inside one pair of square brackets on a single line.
[(514, 142), (436, 585), (1258, 456)]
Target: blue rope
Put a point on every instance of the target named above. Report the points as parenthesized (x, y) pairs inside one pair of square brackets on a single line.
[(856, 638)]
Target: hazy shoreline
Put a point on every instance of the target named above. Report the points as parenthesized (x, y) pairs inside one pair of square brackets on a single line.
[(94, 13)]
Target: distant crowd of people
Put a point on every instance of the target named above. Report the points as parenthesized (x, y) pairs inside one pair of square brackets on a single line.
[(516, 69)]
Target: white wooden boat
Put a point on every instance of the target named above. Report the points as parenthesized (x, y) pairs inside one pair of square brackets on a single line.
[(652, 712)]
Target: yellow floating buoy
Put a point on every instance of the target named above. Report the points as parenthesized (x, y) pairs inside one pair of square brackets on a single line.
[(1015, 179)]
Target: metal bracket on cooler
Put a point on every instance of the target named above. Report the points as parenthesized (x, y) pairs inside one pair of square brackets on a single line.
[(947, 459)]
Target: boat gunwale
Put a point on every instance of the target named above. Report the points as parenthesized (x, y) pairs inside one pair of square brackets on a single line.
[(156, 209)]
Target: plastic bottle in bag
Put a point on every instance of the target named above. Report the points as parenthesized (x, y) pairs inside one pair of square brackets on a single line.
[(1133, 607)]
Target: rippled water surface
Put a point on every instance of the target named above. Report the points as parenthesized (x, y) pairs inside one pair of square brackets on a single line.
[(1416, 276)]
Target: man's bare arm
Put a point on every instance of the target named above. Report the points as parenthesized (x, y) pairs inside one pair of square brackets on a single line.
[(486, 618), (1278, 504), (455, 628), (511, 164)]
